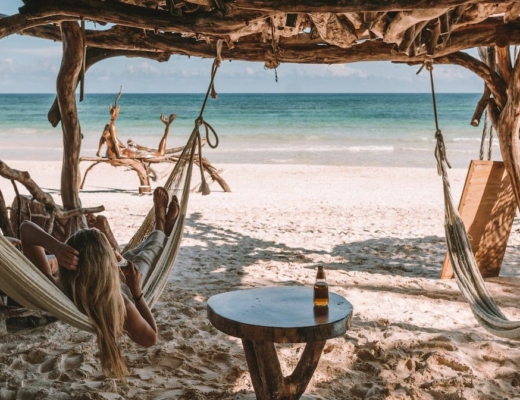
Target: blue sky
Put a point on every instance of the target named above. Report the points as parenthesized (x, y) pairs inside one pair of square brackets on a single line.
[(29, 65)]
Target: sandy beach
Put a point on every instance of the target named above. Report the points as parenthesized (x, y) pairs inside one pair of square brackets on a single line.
[(378, 232)]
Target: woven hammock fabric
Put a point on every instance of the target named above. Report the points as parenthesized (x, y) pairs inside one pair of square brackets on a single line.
[(22, 281), (465, 268)]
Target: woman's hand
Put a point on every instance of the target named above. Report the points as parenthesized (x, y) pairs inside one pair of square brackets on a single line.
[(67, 256), (15, 242), (133, 277)]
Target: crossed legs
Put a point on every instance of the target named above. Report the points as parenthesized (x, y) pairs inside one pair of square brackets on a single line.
[(165, 215)]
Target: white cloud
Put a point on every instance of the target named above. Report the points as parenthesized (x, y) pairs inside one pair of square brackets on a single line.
[(334, 70), (452, 74), (249, 71), (50, 51), (6, 65), (142, 68), (189, 72)]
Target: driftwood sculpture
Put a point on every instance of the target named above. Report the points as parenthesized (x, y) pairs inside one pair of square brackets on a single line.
[(117, 149), (139, 158)]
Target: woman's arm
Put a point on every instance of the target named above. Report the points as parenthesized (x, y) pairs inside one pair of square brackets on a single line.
[(34, 243), (140, 323)]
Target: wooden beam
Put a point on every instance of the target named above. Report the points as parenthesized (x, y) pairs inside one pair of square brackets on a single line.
[(504, 62), (309, 6), (507, 130), (231, 17), (10, 25), (293, 50), (209, 23)]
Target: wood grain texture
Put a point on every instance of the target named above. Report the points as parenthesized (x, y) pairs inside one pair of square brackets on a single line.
[(278, 314), (487, 208)]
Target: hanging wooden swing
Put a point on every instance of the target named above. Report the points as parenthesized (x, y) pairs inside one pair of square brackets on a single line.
[(487, 208)]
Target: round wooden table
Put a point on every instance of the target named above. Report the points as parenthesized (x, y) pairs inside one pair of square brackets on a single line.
[(265, 316)]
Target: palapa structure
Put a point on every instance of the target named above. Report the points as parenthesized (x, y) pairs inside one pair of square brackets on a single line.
[(275, 32)]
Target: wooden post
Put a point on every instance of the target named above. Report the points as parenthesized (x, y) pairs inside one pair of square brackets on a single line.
[(71, 64), (508, 131)]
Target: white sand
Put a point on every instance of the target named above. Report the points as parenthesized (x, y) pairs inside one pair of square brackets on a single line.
[(379, 233)]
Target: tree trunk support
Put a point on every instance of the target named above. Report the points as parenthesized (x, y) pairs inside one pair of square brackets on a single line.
[(71, 64), (266, 374)]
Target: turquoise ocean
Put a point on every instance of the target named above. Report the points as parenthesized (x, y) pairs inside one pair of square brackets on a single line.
[(395, 130)]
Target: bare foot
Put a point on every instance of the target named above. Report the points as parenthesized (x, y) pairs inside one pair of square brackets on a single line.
[(171, 216), (160, 200)]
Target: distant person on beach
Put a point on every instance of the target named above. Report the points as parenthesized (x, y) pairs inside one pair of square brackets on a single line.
[(89, 274), (117, 149)]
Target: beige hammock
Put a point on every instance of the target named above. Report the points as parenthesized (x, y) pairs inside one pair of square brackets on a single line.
[(465, 268), (22, 281)]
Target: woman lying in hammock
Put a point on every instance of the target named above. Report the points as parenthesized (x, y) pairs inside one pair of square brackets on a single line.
[(90, 276)]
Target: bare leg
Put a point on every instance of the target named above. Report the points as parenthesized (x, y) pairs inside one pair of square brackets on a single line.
[(161, 149), (171, 215), (160, 201)]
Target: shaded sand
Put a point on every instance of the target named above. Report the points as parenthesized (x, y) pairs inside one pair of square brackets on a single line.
[(379, 233)]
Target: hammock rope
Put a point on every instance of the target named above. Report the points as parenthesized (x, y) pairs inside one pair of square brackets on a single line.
[(27, 285), (467, 274)]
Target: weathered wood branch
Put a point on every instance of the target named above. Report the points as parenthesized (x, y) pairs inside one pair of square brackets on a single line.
[(508, 131), (39, 195), (512, 12), (229, 20), (406, 19), (294, 49), (348, 6), (487, 56), (504, 63), (481, 106), (5, 225), (10, 25), (135, 164), (171, 150), (95, 55), (73, 45), (25, 179), (492, 79), (139, 166), (140, 17), (335, 29)]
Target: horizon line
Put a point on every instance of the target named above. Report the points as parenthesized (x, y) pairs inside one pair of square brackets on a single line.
[(245, 93)]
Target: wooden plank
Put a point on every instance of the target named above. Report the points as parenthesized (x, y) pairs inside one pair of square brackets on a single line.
[(487, 208)]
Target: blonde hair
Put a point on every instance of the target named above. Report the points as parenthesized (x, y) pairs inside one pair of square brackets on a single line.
[(95, 288)]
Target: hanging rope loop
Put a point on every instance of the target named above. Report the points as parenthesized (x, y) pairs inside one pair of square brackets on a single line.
[(199, 121)]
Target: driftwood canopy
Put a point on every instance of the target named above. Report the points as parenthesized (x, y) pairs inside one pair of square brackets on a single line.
[(274, 32), (298, 31)]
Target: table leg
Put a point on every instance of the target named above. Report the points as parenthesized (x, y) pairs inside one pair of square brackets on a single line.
[(266, 374)]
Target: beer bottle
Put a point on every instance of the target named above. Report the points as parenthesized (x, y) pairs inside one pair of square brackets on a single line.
[(321, 289)]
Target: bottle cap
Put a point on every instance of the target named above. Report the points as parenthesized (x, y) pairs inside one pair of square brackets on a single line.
[(321, 272)]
